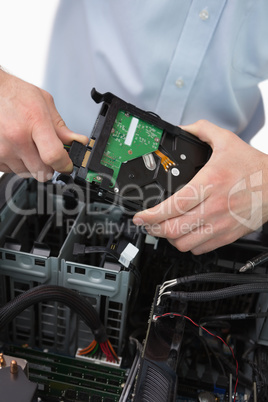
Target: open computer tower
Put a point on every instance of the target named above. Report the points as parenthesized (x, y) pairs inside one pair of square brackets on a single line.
[(92, 308)]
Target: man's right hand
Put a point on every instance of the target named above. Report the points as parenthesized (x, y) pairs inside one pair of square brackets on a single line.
[(32, 132)]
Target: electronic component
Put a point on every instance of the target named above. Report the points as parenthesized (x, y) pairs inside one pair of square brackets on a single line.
[(15, 385), (157, 378), (197, 344), (135, 158), (63, 378)]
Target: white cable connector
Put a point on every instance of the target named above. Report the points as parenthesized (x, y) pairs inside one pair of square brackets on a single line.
[(128, 254)]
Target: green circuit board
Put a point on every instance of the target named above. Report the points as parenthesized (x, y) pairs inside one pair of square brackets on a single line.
[(68, 379), (130, 138)]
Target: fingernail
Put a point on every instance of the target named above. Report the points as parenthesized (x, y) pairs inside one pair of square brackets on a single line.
[(138, 221), (69, 168)]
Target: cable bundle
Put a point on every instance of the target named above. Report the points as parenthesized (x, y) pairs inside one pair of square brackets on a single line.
[(218, 294), (246, 284), (68, 297), (94, 348)]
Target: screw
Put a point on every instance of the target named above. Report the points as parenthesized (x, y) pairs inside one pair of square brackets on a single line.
[(2, 360), (175, 171), (13, 367)]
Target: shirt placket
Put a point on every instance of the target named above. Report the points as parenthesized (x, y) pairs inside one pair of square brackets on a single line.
[(200, 24)]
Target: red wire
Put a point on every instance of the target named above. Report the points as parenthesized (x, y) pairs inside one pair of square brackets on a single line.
[(210, 333), (106, 351)]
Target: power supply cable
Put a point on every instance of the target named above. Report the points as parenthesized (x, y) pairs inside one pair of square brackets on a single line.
[(80, 250), (219, 277), (212, 295), (68, 297)]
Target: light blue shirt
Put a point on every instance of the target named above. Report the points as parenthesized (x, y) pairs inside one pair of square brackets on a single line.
[(182, 59)]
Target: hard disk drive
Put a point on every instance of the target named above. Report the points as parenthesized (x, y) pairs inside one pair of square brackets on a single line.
[(134, 158)]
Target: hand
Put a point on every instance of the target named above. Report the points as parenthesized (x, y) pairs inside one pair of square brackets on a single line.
[(32, 132), (226, 199)]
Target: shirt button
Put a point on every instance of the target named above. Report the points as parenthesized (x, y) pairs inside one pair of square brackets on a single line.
[(203, 15), (179, 83)]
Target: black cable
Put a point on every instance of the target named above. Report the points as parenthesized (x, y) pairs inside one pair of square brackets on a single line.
[(218, 294), (239, 316), (133, 371), (222, 277), (81, 250), (58, 294)]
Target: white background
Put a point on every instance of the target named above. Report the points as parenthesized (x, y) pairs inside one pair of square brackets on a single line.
[(25, 29)]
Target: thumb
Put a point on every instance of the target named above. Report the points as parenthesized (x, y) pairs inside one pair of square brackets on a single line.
[(66, 135), (208, 132)]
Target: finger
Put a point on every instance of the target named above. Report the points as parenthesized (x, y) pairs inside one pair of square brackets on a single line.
[(50, 147), (4, 168), (34, 164), (199, 188), (207, 237), (192, 240), (66, 135), (49, 133), (17, 166), (213, 243), (205, 131), (176, 227), (222, 234), (181, 202)]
